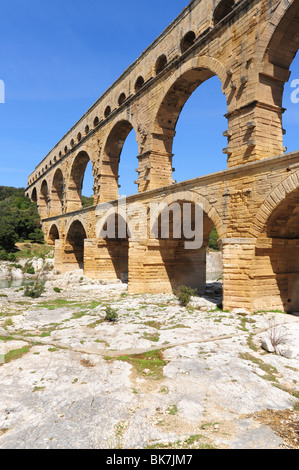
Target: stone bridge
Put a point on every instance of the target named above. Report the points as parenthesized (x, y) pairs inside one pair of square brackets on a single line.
[(250, 46)]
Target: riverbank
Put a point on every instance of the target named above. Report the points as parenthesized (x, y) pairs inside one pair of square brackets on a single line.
[(32, 261), (161, 376)]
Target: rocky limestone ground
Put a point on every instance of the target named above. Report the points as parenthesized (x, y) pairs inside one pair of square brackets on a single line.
[(161, 376)]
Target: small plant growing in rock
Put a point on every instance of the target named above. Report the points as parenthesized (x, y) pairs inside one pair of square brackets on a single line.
[(17, 266), (184, 294), (277, 334), (172, 410), (8, 322), (111, 315), (30, 270), (57, 290), (35, 290)]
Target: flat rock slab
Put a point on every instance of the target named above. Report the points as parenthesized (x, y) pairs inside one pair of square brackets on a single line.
[(76, 381)]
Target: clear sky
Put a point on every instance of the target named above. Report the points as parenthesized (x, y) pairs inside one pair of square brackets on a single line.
[(58, 56)]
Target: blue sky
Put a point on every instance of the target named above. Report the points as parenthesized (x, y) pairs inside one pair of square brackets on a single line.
[(58, 57)]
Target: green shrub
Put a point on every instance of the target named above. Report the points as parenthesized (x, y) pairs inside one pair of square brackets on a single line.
[(111, 315), (4, 256), (56, 289), (11, 257), (184, 294), (17, 266), (37, 236), (34, 290), (30, 270)]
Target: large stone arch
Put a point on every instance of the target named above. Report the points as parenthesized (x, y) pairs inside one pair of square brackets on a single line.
[(75, 179), (53, 234), (190, 74), (112, 149), (44, 199), (276, 262), (112, 242), (276, 50), (107, 212), (174, 257), (277, 196), (280, 50), (57, 193), (209, 209), (73, 256), (157, 166), (283, 17), (77, 218)]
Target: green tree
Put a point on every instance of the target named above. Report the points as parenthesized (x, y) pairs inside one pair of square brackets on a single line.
[(8, 236), (87, 201), (19, 218), (213, 240)]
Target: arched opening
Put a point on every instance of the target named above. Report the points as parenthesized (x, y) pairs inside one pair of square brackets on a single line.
[(107, 111), (34, 195), (291, 104), (177, 253), (96, 121), (161, 64), (192, 117), (87, 192), (285, 38), (74, 247), (187, 41), (128, 164), (53, 235), (119, 162), (224, 8), (44, 200), (122, 98), (214, 262), (139, 83), (81, 172), (113, 249), (277, 259), (57, 199), (281, 55)]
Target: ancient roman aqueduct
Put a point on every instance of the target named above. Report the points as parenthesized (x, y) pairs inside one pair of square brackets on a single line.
[(254, 203)]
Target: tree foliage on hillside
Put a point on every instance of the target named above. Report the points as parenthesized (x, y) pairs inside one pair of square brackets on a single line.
[(87, 201), (19, 220), (213, 240)]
